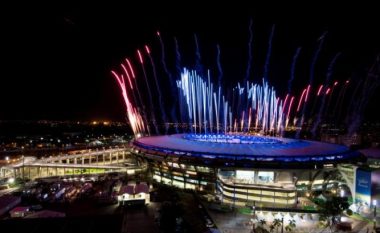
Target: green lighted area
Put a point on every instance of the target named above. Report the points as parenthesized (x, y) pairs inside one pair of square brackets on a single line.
[(85, 171)]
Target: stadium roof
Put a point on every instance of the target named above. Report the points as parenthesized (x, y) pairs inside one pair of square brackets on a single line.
[(282, 146)]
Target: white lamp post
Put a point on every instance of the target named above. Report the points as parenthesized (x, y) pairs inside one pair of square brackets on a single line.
[(374, 203)]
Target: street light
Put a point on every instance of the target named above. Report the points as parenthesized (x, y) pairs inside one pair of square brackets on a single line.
[(374, 203), (254, 208), (23, 168), (254, 214), (282, 224), (11, 180)]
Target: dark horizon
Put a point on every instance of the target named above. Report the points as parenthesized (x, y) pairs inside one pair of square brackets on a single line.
[(58, 64)]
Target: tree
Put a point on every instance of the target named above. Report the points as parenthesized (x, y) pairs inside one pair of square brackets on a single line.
[(260, 228), (262, 222), (331, 209), (291, 226), (275, 224)]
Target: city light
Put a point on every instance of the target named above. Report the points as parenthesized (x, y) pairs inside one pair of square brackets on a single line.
[(11, 180)]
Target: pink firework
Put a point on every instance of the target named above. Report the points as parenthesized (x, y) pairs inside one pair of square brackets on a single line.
[(288, 114), (307, 92), (130, 68), (147, 49), (133, 115), (285, 101), (128, 77), (140, 57), (300, 101), (320, 89)]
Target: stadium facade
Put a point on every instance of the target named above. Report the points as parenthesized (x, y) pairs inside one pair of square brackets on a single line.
[(242, 169)]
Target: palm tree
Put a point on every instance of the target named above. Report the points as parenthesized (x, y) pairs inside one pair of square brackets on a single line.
[(262, 222), (331, 210), (276, 224), (271, 228), (261, 227), (291, 225)]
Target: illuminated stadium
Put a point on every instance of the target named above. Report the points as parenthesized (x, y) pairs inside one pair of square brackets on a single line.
[(241, 168), (219, 123)]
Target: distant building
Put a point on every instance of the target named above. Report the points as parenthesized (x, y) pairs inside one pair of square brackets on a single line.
[(134, 193), (364, 183), (373, 155)]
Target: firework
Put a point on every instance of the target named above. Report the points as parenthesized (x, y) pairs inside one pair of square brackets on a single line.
[(246, 107)]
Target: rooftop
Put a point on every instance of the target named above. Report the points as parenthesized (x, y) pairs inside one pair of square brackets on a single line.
[(276, 147)]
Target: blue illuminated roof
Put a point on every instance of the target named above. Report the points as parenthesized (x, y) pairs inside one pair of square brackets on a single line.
[(244, 146)]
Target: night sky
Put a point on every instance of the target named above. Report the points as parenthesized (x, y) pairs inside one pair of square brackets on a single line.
[(56, 63)]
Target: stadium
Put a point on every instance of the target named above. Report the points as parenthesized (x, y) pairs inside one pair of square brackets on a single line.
[(217, 111), (241, 169)]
